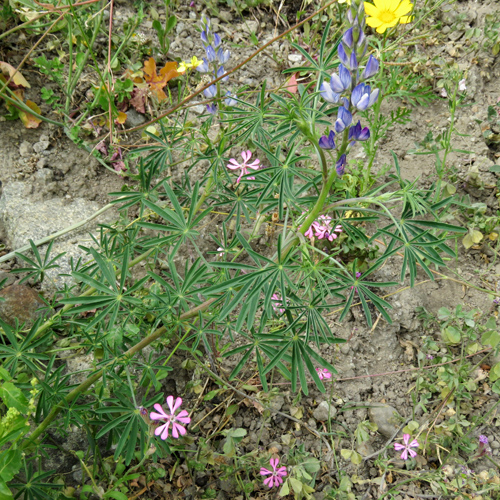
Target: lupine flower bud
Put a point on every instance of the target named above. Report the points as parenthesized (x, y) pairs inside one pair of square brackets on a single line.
[(327, 141), (340, 165), (344, 119), (372, 67), (328, 94), (353, 61), (344, 59), (217, 40), (347, 38), (210, 53), (204, 38), (342, 82)]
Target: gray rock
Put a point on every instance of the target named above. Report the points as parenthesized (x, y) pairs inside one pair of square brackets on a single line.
[(249, 27), (225, 15), (25, 149), (22, 303), (134, 119), (40, 146), (387, 419), (323, 410), (23, 220)]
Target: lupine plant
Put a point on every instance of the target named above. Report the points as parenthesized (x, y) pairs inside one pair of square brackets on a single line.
[(247, 268)]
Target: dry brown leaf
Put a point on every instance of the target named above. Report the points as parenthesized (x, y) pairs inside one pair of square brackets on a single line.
[(157, 82), (28, 119), (8, 70)]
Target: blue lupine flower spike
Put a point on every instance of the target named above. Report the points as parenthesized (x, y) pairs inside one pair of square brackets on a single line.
[(327, 141)]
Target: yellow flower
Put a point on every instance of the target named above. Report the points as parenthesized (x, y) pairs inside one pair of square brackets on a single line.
[(184, 65), (387, 13)]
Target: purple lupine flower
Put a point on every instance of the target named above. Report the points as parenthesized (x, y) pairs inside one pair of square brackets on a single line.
[(371, 68), (210, 53), (344, 119), (340, 165), (276, 475), (353, 61), (323, 373), (328, 94), (344, 59), (483, 439), (407, 447), (356, 133), (220, 72), (342, 82), (347, 38), (212, 109), (217, 40), (362, 97), (204, 38), (223, 55), (229, 100), (170, 418), (327, 141), (203, 67), (210, 92)]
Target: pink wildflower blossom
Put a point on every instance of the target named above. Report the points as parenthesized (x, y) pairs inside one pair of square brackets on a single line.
[(407, 447), (234, 165), (275, 475), (322, 229), (323, 373), (277, 303), (170, 418)]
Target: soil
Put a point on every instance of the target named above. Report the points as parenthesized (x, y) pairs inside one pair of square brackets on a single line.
[(366, 362)]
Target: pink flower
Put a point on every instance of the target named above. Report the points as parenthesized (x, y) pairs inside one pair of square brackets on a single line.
[(277, 303), (407, 447), (322, 229), (275, 479), (244, 166), (171, 418), (221, 252), (323, 373)]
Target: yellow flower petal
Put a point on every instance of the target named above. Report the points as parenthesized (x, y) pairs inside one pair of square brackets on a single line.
[(371, 10), (373, 22), (403, 9), (406, 19)]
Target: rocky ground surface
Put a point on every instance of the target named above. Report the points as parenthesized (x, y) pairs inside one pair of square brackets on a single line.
[(49, 184)]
